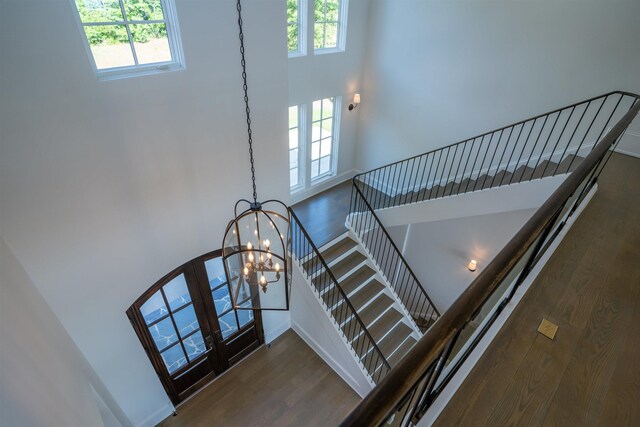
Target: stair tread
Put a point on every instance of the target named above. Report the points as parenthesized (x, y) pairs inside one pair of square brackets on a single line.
[(354, 280), (381, 326), (404, 348), (334, 251), (343, 266), (394, 338), (347, 264), (360, 298), (381, 303)]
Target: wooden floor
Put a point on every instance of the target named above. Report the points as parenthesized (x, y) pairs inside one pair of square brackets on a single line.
[(590, 374), (285, 385), (324, 214)]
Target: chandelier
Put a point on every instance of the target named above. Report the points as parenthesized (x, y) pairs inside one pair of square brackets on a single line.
[(256, 249)]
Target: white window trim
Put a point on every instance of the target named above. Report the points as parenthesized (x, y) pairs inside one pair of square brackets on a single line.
[(335, 138), (342, 31), (175, 46), (302, 30), (302, 150)]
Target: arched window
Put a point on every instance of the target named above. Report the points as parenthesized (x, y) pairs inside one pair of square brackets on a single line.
[(188, 327)]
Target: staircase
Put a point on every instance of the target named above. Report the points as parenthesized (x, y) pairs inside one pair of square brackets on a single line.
[(371, 320), (485, 181), (361, 279)]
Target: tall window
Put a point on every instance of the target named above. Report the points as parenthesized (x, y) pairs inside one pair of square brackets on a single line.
[(327, 32), (131, 36), (313, 142), (296, 16), (295, 177), (322, 138)]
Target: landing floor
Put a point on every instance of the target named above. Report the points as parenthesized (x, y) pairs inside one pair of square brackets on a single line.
[(285, 385), (324, 214), (590, 374)]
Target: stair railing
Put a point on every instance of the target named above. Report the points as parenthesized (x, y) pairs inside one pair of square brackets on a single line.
[(541, 146), (376, 240), (310, 260), (404, 395)]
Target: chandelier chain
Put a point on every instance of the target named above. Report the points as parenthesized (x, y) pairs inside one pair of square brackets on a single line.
[(243, 62)]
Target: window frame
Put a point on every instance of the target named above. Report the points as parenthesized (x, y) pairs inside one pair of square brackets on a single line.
[(343, 9), (302, 30), (305, 135), (335, 123), (173, 38), (302, 149)]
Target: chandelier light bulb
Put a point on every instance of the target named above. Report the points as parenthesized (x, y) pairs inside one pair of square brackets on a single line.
[(250, 257), (245, 271), (249, 245), (268, 255), (267, 243), (277, 267), (263, 280)]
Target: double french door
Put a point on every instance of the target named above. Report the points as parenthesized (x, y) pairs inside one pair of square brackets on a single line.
[(189, 328)]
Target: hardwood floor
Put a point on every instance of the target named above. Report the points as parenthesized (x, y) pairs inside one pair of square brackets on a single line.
[(324, 214), (590, 374), (285, 385)]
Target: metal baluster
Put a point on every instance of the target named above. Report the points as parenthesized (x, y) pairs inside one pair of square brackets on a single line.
[(502, 155), (587, 132), (571, 138), (557, 142)]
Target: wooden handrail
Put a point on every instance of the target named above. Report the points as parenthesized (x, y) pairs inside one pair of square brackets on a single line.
[(384, 398)]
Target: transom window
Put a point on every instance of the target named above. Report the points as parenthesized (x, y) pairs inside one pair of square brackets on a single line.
[(129, 37), (313, 140), (296, 17), (327, 33)]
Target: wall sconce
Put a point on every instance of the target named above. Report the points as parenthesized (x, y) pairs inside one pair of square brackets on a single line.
[(472, 265), (356, 101)]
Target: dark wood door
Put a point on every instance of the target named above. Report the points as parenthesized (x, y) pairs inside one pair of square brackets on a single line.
[(236, 332), (188, 328)]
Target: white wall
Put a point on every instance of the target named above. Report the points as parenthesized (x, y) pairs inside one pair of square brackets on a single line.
[(42, 382), (438, 72), (107, 186), (313, 77), (439, 251), (311, 322)]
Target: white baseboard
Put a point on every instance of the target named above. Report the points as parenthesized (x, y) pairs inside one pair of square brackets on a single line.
[(322, 186), (275, 333), (458, 379), (329, 360), (157, 417)]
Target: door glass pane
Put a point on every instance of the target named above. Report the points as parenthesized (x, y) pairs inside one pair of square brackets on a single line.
[(215, 272), (245, 316), (194, 346), (228, 324), (174, 358), (221, 299), (163, 333), (154, 308), (177, 292), (186, 320), (325, 164), (293, 116), (327, 108)]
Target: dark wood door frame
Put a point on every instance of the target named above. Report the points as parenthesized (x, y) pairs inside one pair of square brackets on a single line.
[(220, 353)]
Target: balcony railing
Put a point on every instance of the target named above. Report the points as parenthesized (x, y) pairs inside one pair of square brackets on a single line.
[(410, 388)]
